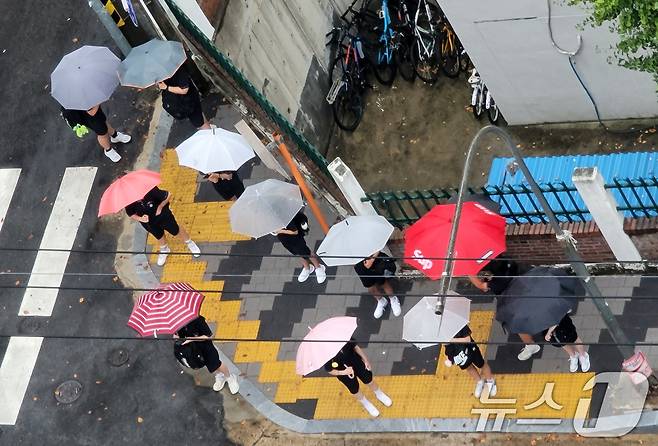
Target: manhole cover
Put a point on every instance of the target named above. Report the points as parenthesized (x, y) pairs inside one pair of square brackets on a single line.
[(118, 357), (29, 325), (68, 391)]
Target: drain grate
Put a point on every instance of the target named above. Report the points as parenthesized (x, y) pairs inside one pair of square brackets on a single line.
[(68, 391), (118, 357)]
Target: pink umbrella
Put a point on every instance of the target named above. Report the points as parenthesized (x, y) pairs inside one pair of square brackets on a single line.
[(127, 189), (165, 310), (313, 355)]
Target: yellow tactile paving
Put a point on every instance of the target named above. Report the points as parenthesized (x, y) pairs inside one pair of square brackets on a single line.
[(445, 394)]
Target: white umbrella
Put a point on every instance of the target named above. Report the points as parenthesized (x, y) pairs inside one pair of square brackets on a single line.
[(265, 207), (423, 328), (214, 150), (355, 237)]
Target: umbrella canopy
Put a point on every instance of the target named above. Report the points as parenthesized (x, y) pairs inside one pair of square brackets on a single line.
[(423, 328), (165, 310), (356, 237), (480, 236), (127, 189), (530, 314), (313, 355), (214, 150), (151, 62), (265, 207), (85, 78)]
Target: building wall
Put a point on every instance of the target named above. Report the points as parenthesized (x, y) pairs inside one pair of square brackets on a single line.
[(532, 83), (280, 47)]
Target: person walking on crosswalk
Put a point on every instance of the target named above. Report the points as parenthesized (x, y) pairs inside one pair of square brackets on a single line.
[(153, 213), (95, 119)]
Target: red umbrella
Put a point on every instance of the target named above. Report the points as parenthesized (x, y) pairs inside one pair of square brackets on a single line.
[(165, 310), (127, 189), (480, 236)]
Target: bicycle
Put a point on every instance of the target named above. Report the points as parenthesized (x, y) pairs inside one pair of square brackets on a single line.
[(383, 44), (481, 99), (426, 45), (450, 51)]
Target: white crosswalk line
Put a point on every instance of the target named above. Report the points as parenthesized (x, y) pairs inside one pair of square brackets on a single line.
[(60, 233), (8, 181), (15, 373)]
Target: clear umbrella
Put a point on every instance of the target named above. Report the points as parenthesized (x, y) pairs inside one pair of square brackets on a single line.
[(265, 207), (151, 62), (214, 150), (423, 328), (85, 78), (355, 238)]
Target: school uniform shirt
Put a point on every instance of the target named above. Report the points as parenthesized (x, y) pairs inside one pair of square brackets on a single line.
[(149, 204), (346, 357), (373, 275), (295, 244), (197, 327)]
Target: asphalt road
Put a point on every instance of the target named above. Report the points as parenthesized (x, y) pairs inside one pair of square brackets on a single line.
[(145, 400)]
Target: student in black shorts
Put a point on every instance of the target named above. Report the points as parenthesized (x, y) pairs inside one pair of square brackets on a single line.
[(198, 328), (180, 99), (351, 365), (465, 353), (563, 334), (227, 183), (153, 213), (292, 238), (95, 119), (374, 273)]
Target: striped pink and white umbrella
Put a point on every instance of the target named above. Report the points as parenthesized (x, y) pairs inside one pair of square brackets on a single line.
[(165, 310)]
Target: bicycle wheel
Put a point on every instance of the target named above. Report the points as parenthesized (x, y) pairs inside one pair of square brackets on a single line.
[(405, 62), (450, 59), (493, 113), (426, 67), (348, 109), (478, 108), (385, 71)]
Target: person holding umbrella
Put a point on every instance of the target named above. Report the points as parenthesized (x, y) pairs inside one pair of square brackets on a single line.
[(465, 353), (375, 272), (292, 238), (95, 119), (180, 98), (227, 183)]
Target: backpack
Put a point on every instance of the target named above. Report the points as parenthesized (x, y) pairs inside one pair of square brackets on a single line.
[(188, 354)]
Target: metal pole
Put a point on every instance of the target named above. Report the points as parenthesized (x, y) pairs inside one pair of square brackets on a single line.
[(111, 27), (563, 237)]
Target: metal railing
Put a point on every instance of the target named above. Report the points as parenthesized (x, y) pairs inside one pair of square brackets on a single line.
[(245, 84), (635, 198)]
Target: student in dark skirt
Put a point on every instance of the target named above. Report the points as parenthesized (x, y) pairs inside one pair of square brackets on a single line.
[(465, 353), (351, 365), (180, 98), (227, 183), (375, 272), (292, 238), (562, 335)]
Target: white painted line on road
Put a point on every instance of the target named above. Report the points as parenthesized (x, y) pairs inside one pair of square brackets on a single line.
[(8, 181), (15, 372), (60, 233)]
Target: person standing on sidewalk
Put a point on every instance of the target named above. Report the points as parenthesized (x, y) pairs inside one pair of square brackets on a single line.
[(153, 213), (465, 353), (563, 335), (180, 98), (351, 365), (227, 183), (197, 349), (495, 277), (374, 273), (95, 119), (292, 238)]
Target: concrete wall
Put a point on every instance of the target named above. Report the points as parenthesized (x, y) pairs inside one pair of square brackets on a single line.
[(509, 44), (280, 46)]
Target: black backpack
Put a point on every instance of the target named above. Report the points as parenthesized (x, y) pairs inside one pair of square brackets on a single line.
[(188, 354)]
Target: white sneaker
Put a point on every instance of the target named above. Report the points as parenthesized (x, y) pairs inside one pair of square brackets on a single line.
[(306, 272), (479, 386), (573, 363), (381, 304), (194, 249), (372, 410), (385, 399), (162, 257), (491, 388), (113, 155), (321, 273), (233, 385), (121, 137), (395, 306), (584, 362), (528, 351), (220, 380)]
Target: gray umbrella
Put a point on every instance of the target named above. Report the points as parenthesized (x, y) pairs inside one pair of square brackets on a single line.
[(152, 62), (85, 78), (530, 314)]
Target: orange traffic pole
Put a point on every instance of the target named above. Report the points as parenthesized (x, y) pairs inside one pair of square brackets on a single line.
[(301, 183)]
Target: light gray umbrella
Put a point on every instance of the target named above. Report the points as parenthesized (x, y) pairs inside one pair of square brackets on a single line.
[(265, 207), (151, 62), (85, 77), (424, 328), (354, 239), (536, 300)]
